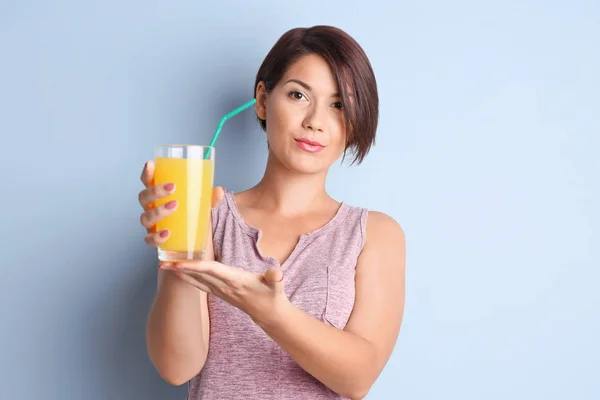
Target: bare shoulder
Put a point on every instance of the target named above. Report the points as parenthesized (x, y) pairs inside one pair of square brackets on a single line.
[(383, 229), (380, 285)]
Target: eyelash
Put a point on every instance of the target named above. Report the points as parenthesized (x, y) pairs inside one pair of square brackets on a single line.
[(293, 93)]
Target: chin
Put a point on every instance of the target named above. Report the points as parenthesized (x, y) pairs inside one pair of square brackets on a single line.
[(305, 163)]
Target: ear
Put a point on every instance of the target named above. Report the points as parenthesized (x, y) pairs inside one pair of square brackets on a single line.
[(261, 101)]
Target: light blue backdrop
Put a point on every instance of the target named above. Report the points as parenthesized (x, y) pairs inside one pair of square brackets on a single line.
[(486, 154)]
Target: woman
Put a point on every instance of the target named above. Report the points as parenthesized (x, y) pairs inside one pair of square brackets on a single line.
[(303, 296)]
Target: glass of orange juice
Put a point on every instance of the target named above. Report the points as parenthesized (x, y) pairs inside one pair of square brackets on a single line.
[(191, 168)]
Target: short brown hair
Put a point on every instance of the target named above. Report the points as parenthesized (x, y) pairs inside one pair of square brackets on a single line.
[(351, 68)]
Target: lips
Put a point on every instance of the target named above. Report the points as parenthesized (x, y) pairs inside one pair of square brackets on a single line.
[(309, 145), (310, 142)]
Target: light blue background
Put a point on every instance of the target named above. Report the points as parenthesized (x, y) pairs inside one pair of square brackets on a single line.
[(486, 154)]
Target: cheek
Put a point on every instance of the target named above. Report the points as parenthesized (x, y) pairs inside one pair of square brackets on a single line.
[(281, 119), (340, 135), (341, 147), (273, 124)]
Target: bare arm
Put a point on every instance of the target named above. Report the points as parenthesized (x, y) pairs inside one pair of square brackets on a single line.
[(177, 331), (349, 361)]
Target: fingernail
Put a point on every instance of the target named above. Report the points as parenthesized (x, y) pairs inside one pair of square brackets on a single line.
[(169, 187), (163, 234), (171, 205)]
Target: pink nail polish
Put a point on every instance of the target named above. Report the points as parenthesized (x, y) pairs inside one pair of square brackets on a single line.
[(164, 234), (169, 186), (171, 205)]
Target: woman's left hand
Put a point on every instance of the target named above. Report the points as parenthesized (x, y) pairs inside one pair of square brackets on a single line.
[(255, 294)]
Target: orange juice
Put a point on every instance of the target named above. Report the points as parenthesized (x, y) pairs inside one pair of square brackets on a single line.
[(189, 223)]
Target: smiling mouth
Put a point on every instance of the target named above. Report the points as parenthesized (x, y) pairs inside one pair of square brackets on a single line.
[(309, 145)]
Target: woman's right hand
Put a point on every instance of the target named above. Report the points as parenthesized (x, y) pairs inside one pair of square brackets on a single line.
[(151, 214)]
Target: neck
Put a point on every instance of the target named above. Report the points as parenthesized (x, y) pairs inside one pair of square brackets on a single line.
[(287, 192)]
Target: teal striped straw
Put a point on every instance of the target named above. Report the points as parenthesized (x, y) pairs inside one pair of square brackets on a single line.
[(222, 122)]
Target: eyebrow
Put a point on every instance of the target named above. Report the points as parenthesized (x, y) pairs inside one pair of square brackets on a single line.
[(307, 86)]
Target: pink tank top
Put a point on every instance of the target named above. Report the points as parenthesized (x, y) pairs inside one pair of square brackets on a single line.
[(243, 362)]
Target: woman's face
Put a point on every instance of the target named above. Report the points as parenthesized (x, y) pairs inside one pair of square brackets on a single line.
[(304, 116)]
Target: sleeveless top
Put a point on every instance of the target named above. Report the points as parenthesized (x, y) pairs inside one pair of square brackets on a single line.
[(243, 362)]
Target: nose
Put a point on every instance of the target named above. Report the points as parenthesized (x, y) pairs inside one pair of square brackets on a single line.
[(314, 120)]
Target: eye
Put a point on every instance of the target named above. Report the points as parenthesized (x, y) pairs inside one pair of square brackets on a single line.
[(297, 95), (338, 105)]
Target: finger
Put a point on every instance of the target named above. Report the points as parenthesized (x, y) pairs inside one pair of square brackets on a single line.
[(209, 267), (214, 282), (206, 273), (190, 280), (217, 195), (155, 193), (147, 173), (273, 275), (214, 273), (157, 238), (149, 218)]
